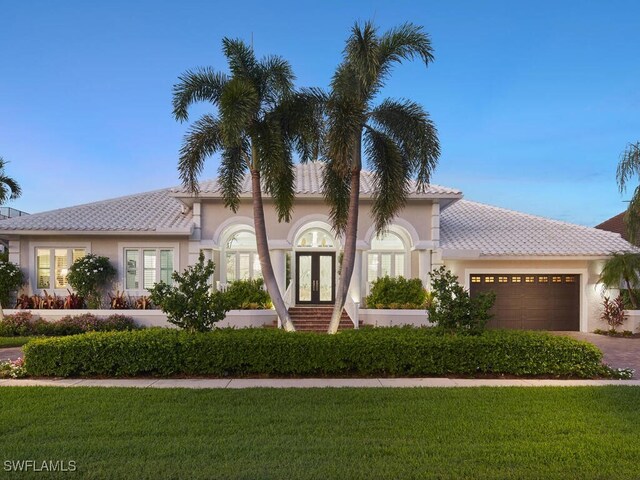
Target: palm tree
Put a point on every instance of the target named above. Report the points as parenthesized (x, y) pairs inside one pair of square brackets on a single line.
[(399, 140), (622, 266), (628, 167), (260, 121), (9, 188)]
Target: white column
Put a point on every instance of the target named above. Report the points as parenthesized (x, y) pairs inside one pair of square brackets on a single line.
[(355, 287), (424, 267), (197, 222)]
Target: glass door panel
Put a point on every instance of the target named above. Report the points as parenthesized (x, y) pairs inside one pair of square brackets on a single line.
[(304, 278), (326, 278)]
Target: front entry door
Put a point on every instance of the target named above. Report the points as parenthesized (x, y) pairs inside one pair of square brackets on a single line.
[(315, 277)]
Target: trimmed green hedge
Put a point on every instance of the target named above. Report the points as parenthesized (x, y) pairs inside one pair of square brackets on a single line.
[(368, 352)]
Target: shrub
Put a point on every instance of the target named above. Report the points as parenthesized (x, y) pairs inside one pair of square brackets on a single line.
[(89, 275), (399, 292), (247, 295), (189, 303), (25, 324), (384, 352), (11, 279), (453, 309), (613, 312)]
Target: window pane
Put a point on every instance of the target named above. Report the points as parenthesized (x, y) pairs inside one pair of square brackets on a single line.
[(231, 267), (61, 267), (257, 271), (385, 264), (131, 260), (149, 268), (400, 265), (326, 278), (317, 238), (373, 267), (77, 254), (388, 241), (43, 266), (244, 240), (245, 266), (166, 265)]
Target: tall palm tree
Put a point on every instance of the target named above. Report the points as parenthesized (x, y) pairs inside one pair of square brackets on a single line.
[(397, 137), (628, 167), (260, 121), (9, 188), (623, 267)]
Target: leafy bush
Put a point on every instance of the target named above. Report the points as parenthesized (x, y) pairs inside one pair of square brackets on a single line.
[(453, 309), (26, 324), (613, 312), (189, 303), (626, 297), (13, 369), (89, 275), (11, 279), (247, 295), (384, 352), (399, 292)]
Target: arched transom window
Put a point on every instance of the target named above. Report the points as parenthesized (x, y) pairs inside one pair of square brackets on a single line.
[(316, 238), (387, 257), (241, 257)]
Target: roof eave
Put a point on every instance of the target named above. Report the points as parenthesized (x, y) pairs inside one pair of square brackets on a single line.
[(186, 231)]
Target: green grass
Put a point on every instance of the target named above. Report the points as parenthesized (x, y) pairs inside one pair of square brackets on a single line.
[(584, 432), (6, 342)]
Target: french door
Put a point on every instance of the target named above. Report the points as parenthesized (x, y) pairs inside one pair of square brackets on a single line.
[(315, 278)]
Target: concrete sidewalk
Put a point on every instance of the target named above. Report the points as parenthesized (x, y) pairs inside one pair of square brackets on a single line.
[(310, 383)]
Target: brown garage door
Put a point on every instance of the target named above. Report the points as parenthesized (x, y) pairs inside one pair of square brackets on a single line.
[(532, 302)]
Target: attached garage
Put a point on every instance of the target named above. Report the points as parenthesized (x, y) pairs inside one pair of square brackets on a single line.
[(532, 301)]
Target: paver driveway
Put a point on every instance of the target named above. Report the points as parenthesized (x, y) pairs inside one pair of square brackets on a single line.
[(10, 353), (619, 352)]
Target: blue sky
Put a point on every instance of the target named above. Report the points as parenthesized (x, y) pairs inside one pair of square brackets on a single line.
[(534, 101)]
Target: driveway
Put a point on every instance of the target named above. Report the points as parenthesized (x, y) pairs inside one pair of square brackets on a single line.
[(10, 353), (619, 352)]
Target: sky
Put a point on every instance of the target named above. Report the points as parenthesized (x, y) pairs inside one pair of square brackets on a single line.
[(534, 101)]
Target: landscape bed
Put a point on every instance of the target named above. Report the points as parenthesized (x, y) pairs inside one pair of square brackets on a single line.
[(479, 433), (269, 352)]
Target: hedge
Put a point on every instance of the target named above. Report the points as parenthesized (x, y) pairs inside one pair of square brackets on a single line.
[(259, 352), (24, 324)]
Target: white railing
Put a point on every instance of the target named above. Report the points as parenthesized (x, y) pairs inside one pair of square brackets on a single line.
[(352, 308), (288, 300)]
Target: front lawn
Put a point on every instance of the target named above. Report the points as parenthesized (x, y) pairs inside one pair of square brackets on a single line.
[(585, 432), (7, 342)]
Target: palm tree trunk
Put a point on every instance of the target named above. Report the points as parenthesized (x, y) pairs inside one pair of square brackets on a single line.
[(351, 235), (632, 295), (263, 253), (1, 313)]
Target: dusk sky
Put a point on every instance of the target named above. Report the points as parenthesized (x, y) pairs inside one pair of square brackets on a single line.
[(534, 101)]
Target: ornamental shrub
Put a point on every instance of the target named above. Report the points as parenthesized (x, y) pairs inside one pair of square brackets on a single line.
[(453, 309), (386, 352), (89, 275), (11, 279), (189, 303), (247, 295), (24, 324), (398, 292), (613, 312)]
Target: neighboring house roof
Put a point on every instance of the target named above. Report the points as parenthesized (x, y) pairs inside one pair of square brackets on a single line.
[(615, 224), (470, 229), (309, 182), (150, 212)]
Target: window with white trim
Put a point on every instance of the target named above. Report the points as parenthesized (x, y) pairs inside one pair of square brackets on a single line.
[(146, 266), (241, 257), (387, 257), (52, 266)]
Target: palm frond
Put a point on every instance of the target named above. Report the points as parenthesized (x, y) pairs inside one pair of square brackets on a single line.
[(392, 175), (362, 55), (632, 217), (9, 188), (203, 139), (239, 104), (201, 85), (242, 60), (629, 165), (621, 266), (231, 173), (336, 190), (275, 79)]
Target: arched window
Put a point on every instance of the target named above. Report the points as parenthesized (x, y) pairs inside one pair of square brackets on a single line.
[(387, 257), (316, 238), (241, 256)]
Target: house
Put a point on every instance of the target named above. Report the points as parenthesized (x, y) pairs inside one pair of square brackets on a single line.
[(544, 271), (615, 224)]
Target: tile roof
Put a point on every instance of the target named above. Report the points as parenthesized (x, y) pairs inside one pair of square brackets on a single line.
[(494, 231), (615, 224), (309, 182), (153, 211)]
